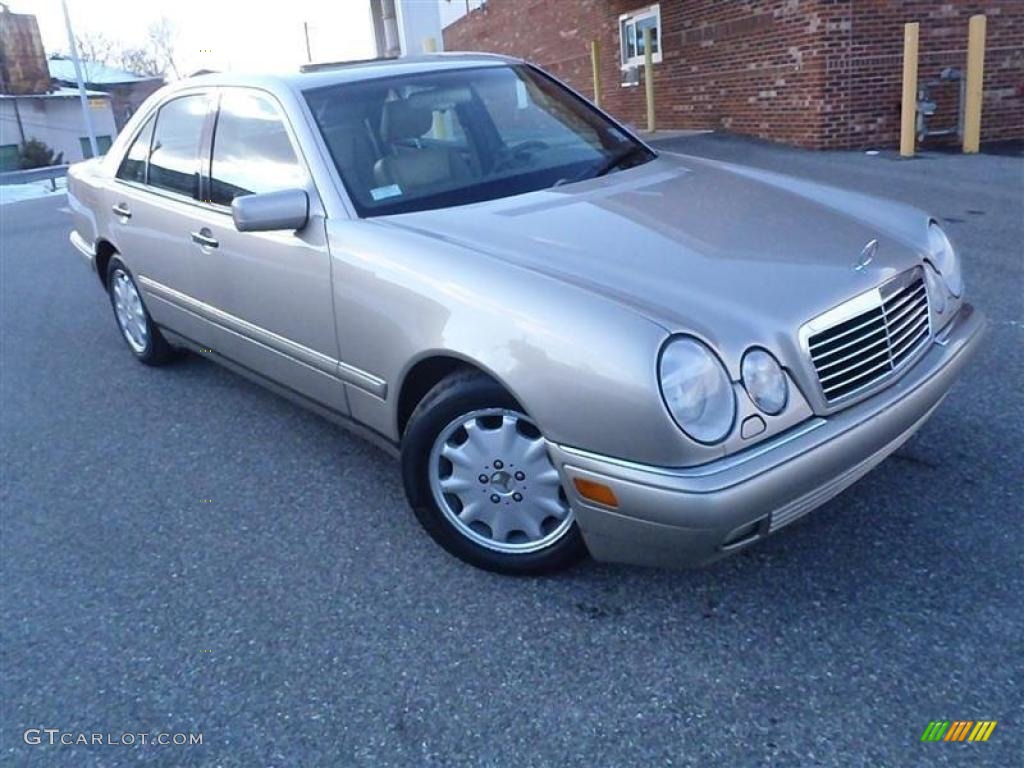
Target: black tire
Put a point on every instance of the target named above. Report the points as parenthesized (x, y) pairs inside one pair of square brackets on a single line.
[(156, 350), (457, 395)]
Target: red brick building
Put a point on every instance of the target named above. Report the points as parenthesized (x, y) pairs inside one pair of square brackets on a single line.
[(817, 73)]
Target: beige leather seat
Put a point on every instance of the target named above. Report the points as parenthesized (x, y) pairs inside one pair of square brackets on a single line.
[(411, 166)]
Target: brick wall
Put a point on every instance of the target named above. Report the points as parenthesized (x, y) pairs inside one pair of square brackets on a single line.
[(817, 73), (22, 59), (864, 78)]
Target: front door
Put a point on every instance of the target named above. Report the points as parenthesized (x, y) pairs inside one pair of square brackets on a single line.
[(270, 291)]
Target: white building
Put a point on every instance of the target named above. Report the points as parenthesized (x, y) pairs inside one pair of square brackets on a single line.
[(33, 106), (55, 119), (403, 27)]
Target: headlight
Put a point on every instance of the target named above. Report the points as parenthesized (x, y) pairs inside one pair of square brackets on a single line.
[(697, 390), (942, 255), (764, 381)]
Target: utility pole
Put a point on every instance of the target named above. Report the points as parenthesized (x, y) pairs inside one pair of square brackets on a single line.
[(309, 53), (17, 117), (81, 85)]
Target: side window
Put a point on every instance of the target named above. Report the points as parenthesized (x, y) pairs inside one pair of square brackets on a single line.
[(102, 144), (10, 158), (174, 162), (133, 167), (631, 35), (251, 150)]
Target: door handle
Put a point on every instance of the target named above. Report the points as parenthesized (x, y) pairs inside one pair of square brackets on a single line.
[(121, 209), (204, 237)]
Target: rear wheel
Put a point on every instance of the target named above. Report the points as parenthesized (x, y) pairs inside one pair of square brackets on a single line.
[(137, 327), (479, 477)]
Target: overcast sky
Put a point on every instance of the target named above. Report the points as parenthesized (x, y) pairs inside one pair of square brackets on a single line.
[(220, 34)]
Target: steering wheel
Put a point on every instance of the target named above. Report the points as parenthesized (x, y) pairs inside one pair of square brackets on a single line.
[(510, 157)]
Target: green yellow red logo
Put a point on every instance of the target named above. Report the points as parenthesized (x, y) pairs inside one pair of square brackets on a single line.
[(958, 730)]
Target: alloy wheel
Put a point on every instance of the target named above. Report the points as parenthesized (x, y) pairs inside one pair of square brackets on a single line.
[(131, 315), (491, 476)]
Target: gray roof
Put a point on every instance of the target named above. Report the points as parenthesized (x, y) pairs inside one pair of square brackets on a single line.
[(346, 72), (57, 93), (95, 73)]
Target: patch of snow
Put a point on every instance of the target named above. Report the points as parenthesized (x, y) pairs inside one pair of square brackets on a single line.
[(13, 193)]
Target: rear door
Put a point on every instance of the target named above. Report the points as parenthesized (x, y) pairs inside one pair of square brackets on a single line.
[(270, 291), (154, 203)]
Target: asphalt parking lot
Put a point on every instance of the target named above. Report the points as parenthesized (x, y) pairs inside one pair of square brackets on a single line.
[(185, 552)]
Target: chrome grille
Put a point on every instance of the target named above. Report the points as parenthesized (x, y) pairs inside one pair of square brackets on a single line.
[(887, 327)]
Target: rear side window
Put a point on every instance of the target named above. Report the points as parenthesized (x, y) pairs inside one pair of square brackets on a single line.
[(251, 150), (133, 167), (174, 159)]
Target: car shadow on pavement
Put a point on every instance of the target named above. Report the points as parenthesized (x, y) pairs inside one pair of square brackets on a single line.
[(876, 547)]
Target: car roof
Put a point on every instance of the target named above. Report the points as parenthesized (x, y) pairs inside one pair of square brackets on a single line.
[(319, 75)]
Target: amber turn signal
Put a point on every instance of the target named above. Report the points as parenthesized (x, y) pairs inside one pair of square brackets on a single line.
[(598, 492)]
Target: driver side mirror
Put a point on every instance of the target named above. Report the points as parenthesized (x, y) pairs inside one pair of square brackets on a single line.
[(269, 211)]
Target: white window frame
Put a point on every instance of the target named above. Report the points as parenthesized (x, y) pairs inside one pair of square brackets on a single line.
[(631, 19)]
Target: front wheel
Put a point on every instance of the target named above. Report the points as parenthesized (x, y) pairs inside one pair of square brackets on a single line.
[(479, 477), (140, 332)]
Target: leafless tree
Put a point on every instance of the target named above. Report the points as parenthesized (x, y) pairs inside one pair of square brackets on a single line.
[(153, 56), (140, 61), (163, 39), (95, 47)]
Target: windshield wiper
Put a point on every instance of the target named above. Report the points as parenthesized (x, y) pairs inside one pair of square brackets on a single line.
[(607, 166), (616, 161)]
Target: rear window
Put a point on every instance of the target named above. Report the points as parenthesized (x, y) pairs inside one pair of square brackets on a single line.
[(133, 167), (174, 158)]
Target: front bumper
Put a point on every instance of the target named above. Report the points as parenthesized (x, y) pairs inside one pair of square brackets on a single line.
[(693, 516)]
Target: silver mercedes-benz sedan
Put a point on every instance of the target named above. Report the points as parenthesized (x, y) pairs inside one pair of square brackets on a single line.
[(575, 343)]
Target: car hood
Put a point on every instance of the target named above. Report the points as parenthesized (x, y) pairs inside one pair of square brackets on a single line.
[(733, 254)]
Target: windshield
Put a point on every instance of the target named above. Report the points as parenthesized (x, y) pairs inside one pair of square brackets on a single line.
[(441, 139)]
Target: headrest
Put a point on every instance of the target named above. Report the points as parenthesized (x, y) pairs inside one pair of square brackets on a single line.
[(402, 120), (440, 99)]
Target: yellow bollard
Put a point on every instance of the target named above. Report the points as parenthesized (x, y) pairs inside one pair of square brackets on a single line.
[(975, 81), (908, 115), (649, 79), (595, 59), (429, 45)]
